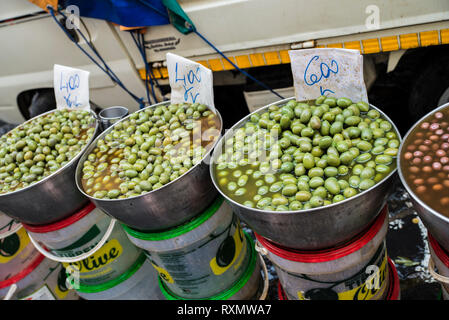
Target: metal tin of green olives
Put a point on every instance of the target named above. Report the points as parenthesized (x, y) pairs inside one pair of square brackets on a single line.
[(149, 178), (38, 161), (336, 204)]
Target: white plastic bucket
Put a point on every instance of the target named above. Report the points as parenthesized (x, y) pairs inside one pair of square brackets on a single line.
[(73, 236), (8, 225), (201, 258), (439, 259), (91, 245), (394, 291), (16, 254), (109, 262), (248, 287), (356, 270), (139, 282), (42, 279)]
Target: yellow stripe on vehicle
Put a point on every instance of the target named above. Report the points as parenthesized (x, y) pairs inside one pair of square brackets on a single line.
[(429, 38), (285, 57), (257, 59), (371, 45), (215, 64), (272, 58), (409, 40), (204, 63), (243, 61), (389, 43), (335, 45), (227, 65), (444, 35), (365, 46), (353, 45)]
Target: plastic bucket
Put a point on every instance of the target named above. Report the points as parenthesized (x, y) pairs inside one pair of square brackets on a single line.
[(201, 258), (109, 262), (139, 282), (16, 254), (356, 270), (394, 292), (73, 236), (8, 225), (246, 287), (42, 279), (440, 260)]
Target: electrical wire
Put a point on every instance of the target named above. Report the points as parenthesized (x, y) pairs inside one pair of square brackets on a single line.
[(104, 68), (192, 29)]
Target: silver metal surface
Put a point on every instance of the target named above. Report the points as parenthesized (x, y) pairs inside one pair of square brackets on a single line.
[(436, 223), (316, 228), (51, 199), (111, 115), (171, 205)]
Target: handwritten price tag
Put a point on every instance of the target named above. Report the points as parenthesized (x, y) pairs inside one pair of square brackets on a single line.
[(329, 72), (190, 82), (71, 87)]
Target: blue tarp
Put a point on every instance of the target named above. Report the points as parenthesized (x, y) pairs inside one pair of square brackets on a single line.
[(127, 13)]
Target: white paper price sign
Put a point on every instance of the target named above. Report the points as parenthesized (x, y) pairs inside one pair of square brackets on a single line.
[(190, 81), (329, 72), (71, 87)]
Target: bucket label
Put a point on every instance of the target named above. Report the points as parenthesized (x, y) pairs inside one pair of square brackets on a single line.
[(208, 266), (42, 294), (110, 251), (12, 245), (228, 253), (367, 284), (87, 242)]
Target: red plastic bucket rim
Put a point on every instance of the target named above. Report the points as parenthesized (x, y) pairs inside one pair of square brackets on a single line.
[(23, 273), (440, 252), (61, 223), (393, 290), (329, 254)]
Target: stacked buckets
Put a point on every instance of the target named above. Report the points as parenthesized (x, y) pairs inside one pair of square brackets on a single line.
[(209, 257), (64, 230), (101, 261), (333, 252), (190, 237), (28, 275)]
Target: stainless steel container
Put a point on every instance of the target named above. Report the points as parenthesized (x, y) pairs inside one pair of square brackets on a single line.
[(171, 205), (53, 198), (315, 228), (436, 223), (111, 115)]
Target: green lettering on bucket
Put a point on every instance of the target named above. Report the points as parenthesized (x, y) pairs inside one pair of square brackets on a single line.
[(87, 237)]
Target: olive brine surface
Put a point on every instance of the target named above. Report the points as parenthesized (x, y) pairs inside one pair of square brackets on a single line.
[(41, 146), (316, 153), (149, 149)]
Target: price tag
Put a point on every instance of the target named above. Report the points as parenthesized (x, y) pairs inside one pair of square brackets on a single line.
[(71, 87), (329, 72), (190, 81)]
